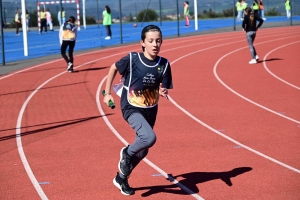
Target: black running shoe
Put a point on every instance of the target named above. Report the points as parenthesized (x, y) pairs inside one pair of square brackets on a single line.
[(123, 185), (125, 162)]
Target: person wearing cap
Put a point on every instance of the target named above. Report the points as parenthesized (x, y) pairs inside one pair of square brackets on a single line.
[(146, 77)]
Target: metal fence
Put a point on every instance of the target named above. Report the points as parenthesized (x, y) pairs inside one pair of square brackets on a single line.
[(213, 15)]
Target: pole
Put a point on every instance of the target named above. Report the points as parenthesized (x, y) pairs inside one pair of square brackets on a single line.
[(60, 12), (234, 15), (291, 20), (2, 36), (160, 12), (98, 13), (196, 14), (24, 28), (83, 14), (178, 33), (120, 16)]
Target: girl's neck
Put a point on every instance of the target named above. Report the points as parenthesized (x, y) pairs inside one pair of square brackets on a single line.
[(148, 56)]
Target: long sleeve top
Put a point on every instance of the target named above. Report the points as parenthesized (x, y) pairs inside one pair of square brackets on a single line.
[(247, 23)]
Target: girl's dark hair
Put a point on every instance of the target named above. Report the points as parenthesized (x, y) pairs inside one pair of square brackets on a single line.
[(149, 28), (251, 16), (107, 9), (71, 19), (187, 2)]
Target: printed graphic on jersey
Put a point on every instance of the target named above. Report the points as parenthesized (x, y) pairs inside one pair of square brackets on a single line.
[(68, 35), (143, 98)]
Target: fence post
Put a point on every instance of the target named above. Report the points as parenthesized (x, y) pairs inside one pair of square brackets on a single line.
[(234, 15), (120, 16), (178, 33), (2, 36)]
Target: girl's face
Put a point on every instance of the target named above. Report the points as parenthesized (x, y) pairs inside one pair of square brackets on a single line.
[(152, 44)]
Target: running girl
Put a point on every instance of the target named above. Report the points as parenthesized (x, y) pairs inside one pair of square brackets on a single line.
[(146, 77)]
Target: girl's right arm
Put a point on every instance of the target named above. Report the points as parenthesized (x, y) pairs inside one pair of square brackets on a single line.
[(110, 77)]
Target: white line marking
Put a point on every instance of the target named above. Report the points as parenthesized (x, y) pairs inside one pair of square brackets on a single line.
[(126, 143), (241, 96), (232, 140), (265, 65)]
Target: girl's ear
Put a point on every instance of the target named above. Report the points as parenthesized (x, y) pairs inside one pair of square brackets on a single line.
[(142, 43)]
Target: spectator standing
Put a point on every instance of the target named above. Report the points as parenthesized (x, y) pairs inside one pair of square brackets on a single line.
[(288, 9), (61, 17), (27, 18), (186, 13), (43, 21), (67, 38), (18, 22), (255, 7), (244, 6), (106, 16), (49, 19), (261, 9)]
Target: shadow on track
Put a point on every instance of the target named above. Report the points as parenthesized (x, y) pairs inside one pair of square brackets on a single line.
[(190, 180)]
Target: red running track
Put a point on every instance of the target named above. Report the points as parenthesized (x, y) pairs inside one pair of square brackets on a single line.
[(229, 131)]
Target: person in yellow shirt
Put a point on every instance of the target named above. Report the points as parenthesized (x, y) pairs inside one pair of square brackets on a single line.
[(18, 22), (43, 21)]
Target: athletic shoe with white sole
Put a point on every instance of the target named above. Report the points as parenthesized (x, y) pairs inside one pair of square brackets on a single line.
[(253, 61), (125, 162), (123, 185), (256, 57)]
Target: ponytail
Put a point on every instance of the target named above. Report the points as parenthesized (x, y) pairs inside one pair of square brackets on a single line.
[(252, 19), (248, 10)]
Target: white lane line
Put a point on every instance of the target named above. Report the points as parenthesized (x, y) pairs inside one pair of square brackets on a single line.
[(232, 140), (243, 97), (110, 126), (265, 65)]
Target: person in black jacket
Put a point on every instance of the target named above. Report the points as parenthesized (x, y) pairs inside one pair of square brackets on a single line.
[(250, 27)]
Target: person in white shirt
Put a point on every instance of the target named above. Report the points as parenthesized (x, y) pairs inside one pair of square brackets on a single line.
[(49, 19), (67, 38)]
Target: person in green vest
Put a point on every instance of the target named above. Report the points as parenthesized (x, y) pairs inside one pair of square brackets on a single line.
[(244, 6), (288, 8), (239, 9), (255, 7), (106, 16)]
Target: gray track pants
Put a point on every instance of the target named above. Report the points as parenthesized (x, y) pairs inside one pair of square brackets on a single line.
[(250, 38), (145, 138)]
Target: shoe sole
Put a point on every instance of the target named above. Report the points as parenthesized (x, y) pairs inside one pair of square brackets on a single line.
[(121, 152), (119, 187)]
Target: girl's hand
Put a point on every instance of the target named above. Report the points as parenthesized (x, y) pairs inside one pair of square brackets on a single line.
[(106, 99), (163, 91)]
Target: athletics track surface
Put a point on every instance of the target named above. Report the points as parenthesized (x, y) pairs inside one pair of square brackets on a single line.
[(229, 131)]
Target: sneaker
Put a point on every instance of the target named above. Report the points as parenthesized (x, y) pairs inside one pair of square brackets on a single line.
[(125, 161), (256, 57), (264, 19), (70, 65), (123, 185), (253, 61), (71, 70), (108, 38)]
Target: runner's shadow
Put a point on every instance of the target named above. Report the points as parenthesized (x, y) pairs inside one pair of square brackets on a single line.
[(190, 180), (92, 69), (269, 60)]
